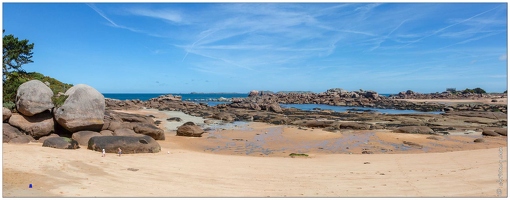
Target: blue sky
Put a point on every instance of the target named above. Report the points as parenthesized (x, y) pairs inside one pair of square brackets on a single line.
[(232, 47)]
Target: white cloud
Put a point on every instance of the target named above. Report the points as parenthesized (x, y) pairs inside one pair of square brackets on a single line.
[(165, 14), (503, 57)]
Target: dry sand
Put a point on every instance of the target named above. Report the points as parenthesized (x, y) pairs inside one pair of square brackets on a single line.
[(252, 160)]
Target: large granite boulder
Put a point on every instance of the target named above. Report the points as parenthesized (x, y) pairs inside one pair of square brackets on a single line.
[(190, 130), (9, 132), (6, 114), (33, 97), (61, 143), (37, 126), (415, 129), (82, 137), (128, 144), (150, 130), (83, 109)]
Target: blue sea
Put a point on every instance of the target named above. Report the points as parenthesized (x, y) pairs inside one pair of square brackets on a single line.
[(185, 96), (212, 100)]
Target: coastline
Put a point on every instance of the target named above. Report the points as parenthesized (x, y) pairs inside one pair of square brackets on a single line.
[(184, 168)]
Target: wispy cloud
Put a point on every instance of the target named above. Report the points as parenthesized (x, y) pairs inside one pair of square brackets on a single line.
[(111, 22), (102, 15), (165, 14), (449, 26)]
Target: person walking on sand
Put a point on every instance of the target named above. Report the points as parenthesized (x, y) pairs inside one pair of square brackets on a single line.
[(104, 153), (120, 151)]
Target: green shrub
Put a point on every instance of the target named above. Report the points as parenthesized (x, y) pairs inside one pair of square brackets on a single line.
[(59, 100), (9, 105), (67, 139)]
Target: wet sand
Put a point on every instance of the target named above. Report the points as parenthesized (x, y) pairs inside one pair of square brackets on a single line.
[(252, 160)]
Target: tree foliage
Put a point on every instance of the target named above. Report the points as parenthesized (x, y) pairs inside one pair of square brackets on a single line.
[(475, 91), (15, 54), (15, 79)]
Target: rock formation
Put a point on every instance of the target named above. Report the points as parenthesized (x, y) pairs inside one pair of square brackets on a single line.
[(128, 144), (82, 110), (61, 143), (33, 97)]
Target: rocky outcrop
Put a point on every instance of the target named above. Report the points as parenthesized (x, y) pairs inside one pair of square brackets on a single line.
[(61, 143), (414, 129), (128, 124), (33, 97), (82, 137), (128, 144), (150, 130), (37, 126), (253, 93), (501, 131), (489, 132), (6, 114), (189, 129), (82, 110)]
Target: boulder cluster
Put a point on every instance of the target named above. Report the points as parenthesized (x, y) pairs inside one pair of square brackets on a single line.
[(81, 120)]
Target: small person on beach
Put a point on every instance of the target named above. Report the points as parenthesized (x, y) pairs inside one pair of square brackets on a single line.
[(104, 153), (120, 151)]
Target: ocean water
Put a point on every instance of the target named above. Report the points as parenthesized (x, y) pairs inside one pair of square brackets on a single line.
[(185, 96)]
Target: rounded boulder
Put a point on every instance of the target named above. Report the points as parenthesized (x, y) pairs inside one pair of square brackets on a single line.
[(61, 143), (128, 144), (33, 97), (82, 110), (190, 130)]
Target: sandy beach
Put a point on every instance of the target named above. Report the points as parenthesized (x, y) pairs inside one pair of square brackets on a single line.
[(252, 160)]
